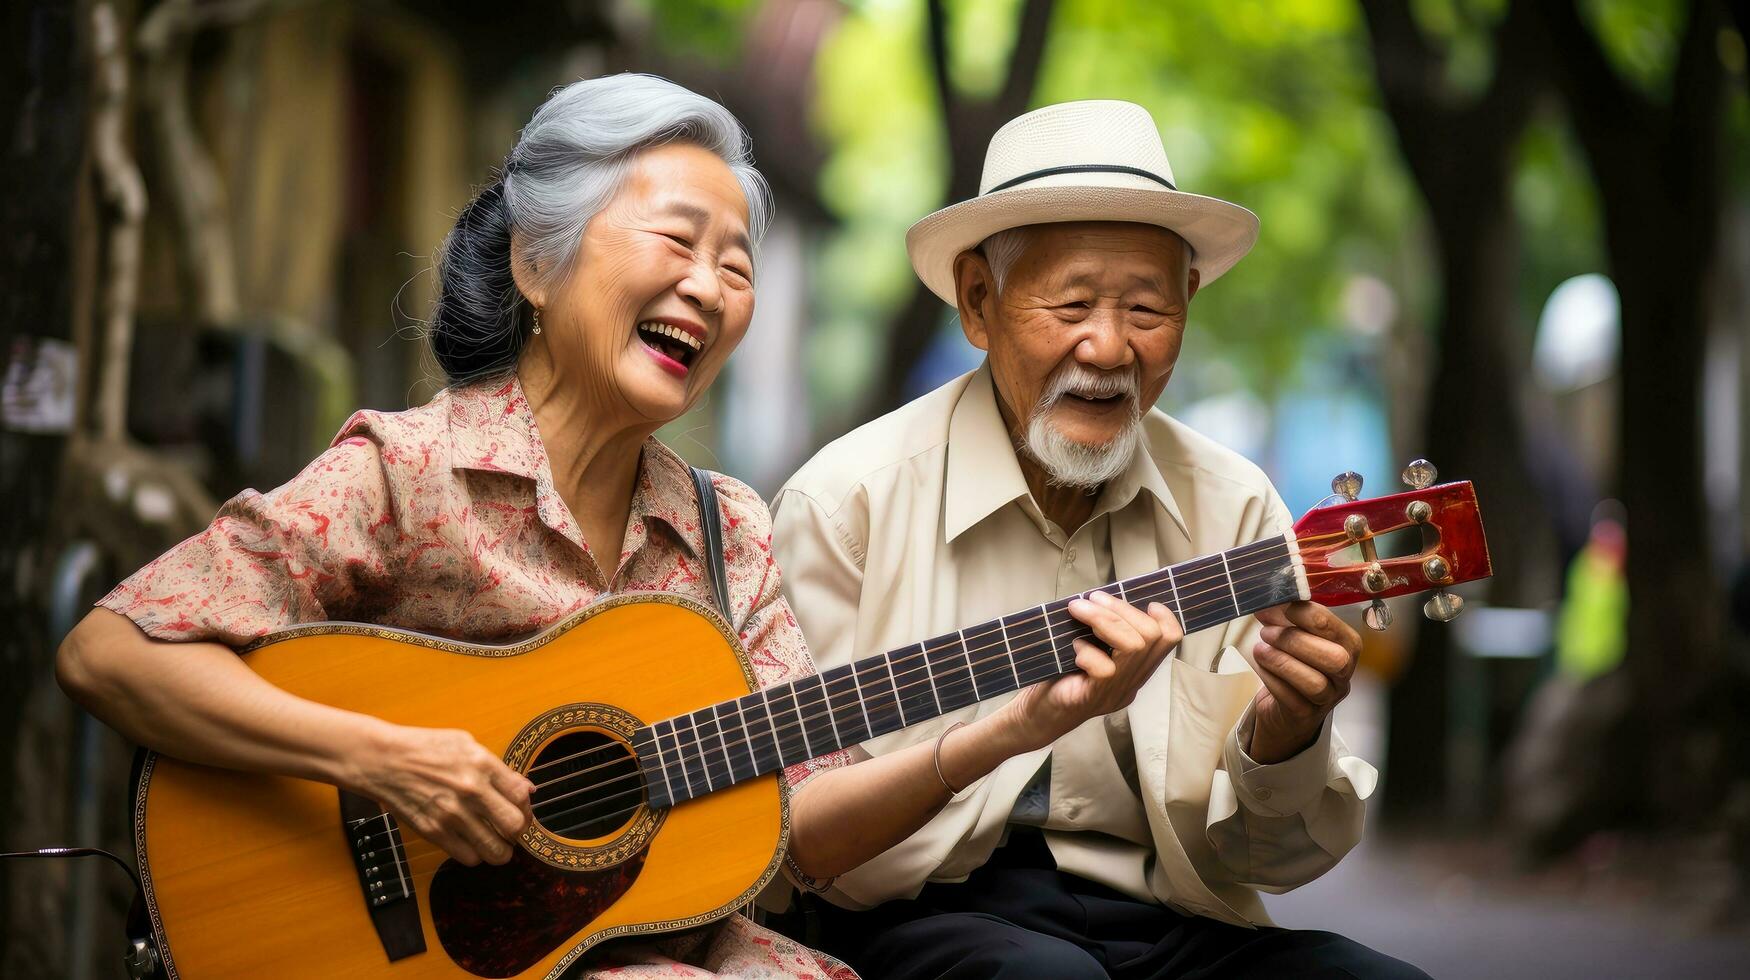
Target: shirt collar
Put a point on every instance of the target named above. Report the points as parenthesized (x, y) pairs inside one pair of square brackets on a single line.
[(492, 428), (984, 473)]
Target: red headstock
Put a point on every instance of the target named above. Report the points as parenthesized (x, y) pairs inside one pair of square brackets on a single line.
[(1345, 563)]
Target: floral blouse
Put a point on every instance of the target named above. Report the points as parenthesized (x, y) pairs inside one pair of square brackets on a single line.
[(444, 519)]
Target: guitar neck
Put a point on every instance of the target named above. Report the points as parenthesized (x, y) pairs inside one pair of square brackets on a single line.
[(733, 741)]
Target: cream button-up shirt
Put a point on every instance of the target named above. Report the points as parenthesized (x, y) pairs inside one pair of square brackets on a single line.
[(920, 522)]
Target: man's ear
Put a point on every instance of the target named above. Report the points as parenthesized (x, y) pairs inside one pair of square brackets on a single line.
[(1192, 279), (975, 293), (527, 277)]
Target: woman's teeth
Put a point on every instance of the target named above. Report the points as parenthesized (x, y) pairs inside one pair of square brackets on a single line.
[(672, 342), (672, 333)]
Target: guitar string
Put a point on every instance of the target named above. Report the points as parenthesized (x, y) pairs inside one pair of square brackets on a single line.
[(1182, 596), (732, 739), (1036, 659), (705, 762), (420, 853), (947, 685), (1198, 601), (1195, 597), (1182, 599), (969, 678), (1032, 659)]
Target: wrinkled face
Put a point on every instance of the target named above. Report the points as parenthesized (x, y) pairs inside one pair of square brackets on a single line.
[(1086, 328), (661, 291)]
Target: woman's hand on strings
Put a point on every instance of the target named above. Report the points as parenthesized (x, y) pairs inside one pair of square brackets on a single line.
[(448, 788), (1135, 641)]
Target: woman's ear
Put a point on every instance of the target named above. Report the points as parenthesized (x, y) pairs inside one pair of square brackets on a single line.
[(528, 279), (975, 293)]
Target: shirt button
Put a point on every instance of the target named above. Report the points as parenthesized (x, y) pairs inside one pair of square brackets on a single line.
[(1069, 557), (1263, 793)]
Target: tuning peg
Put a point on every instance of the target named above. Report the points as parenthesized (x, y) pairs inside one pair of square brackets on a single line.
[(1377, 616), (1347, 485), (1443, 606), (1420, 474)]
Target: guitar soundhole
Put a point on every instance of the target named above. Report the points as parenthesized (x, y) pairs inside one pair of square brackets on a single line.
[(587, 785)]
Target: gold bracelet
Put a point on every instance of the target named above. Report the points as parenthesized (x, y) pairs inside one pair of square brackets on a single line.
[(939, 740)]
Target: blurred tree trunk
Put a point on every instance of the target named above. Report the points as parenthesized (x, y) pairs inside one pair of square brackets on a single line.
[(1659, 168), (1461, 151), (970, 123), (43, 111)]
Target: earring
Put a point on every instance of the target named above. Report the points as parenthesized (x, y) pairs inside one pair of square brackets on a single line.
[(537, 320)]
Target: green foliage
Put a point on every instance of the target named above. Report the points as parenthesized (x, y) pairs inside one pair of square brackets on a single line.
[(1269, 104), (708, 30)]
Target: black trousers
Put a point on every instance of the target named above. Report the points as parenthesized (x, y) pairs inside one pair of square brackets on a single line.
[(1018, 916)]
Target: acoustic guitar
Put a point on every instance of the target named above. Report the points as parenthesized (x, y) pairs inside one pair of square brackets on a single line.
[(659, 802)]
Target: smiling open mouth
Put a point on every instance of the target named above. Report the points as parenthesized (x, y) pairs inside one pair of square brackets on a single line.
[(671, 342), (1101, 400)]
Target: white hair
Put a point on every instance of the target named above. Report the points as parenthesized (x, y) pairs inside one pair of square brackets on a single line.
[(568, 163), (573, 155), (1002, 250), (1077, 464)]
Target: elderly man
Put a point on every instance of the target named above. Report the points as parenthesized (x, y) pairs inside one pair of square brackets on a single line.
[(1132, 838)]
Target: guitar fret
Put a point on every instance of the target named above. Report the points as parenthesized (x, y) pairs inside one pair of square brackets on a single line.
[(884, 718), (990, 673), (801, 723), (848, 698), (955, 684), (1051, 638), (728, 760), (1225, 570), (1178, 607), (772, 723), (857, 687), (826, 699), (700, 737), (674, 733), (1009, 651), (930, 675), (918, 688), (891, 679), (966, 654), (661, 762), (753, 761)]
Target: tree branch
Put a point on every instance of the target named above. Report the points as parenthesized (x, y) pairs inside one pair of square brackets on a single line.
[(1519, 43), (1603, 106), (1028, 56), (1698, 95), (1411, 70), (937, 31)]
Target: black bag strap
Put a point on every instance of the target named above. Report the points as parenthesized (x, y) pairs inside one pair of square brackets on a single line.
[(711, 524)]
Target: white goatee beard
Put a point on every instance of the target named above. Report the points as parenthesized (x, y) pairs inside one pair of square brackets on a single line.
[(1075, 464)]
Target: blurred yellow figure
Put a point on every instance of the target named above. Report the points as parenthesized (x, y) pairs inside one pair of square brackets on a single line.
[(1591, 629)]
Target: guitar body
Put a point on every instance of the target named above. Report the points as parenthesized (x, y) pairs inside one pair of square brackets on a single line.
[(265, 876)]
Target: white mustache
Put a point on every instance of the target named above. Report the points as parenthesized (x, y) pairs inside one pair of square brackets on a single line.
[(1083, 381)]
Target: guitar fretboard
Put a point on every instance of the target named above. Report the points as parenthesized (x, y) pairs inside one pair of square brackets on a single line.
[(718, 746)]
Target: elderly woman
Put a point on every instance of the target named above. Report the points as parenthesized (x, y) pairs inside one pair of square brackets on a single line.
[(588, 297)]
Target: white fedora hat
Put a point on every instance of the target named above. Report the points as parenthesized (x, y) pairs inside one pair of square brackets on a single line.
[(1079, 161)]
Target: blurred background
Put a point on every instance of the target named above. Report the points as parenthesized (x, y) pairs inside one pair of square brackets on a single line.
[(1508, 236)]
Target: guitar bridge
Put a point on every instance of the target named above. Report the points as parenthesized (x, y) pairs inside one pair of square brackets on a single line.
[(380, 858)]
